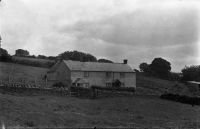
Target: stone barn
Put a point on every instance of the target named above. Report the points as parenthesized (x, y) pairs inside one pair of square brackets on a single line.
[(86, 74)]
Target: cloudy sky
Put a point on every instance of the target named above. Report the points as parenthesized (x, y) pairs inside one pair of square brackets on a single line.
[(138, 30)]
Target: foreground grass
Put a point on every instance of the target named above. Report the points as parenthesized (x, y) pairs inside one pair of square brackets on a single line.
[(50, 111)]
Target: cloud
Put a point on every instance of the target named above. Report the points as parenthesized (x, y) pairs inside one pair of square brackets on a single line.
[(116, 29), (143, 28)]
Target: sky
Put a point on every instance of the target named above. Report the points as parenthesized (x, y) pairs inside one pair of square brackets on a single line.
[(137, 30)]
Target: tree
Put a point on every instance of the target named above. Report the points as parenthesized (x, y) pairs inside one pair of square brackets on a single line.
[(144, 67), (4, 56), (52, 58), (21, 52), (41, 57), (77, 56), (104, 61), (191, 73), (161, 67)]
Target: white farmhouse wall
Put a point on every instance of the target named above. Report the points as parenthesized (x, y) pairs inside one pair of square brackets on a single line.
[(100, 79), (62, 74)]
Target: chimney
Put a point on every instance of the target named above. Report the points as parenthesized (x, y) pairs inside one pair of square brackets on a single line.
[(125, 61)]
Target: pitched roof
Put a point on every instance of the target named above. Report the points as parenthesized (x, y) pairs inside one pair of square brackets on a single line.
[(54, 67), (96, 66)]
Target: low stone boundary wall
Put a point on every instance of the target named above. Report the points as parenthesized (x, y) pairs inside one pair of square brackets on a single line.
[(32, 91)]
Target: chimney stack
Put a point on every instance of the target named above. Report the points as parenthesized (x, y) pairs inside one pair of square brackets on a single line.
[(125, 61)]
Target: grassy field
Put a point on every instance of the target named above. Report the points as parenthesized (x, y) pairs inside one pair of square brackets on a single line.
[(140, 111), (36, 62), (18, 73), (32, 59), (156, 86)]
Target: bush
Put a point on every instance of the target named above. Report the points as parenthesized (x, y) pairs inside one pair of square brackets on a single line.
[(116, 84), (29, 123), (58, 85), (181, 98)]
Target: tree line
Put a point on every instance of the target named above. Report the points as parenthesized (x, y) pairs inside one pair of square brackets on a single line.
[(67, 55), (161, 68)]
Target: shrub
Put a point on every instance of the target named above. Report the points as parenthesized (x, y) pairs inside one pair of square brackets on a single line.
[(58, 85), (181, 98), (29, 123)]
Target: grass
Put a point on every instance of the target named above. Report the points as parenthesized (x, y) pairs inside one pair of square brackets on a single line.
[(49, 111), (156, 86), (19, 72), (32, 59)]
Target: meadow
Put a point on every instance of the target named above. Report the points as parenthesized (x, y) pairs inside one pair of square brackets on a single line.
[(134, 111)]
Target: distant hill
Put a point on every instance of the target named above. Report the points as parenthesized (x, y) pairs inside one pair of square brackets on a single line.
[(45, 63)]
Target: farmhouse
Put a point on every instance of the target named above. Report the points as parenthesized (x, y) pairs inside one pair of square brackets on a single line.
[(86, 74)]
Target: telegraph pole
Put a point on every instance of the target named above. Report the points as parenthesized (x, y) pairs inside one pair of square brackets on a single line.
[(0, 36)]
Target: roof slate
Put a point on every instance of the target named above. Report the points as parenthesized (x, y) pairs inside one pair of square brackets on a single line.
[(96, 66)]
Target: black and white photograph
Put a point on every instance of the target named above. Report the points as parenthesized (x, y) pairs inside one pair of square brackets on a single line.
[(100, 64)]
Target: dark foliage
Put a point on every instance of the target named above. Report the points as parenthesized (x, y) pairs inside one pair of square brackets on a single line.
[(81, 91), (137, 71), (4, 56), (52, 57), (158, 68), (144, 67), (161, 67), (128, 89), (41, 57), (181, 98), (104, 61), (174, 76), (77, 56), (21, 52), (59, 85), (116, 83), (191, 73), (29, 123)]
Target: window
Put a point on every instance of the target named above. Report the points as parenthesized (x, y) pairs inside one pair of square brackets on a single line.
[(108, 84), (87, 85), (108, 74), (86, 74), (122, 75)]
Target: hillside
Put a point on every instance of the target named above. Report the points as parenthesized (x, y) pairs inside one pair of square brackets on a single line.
[(156, 86), (21, 73), (45, 63)]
